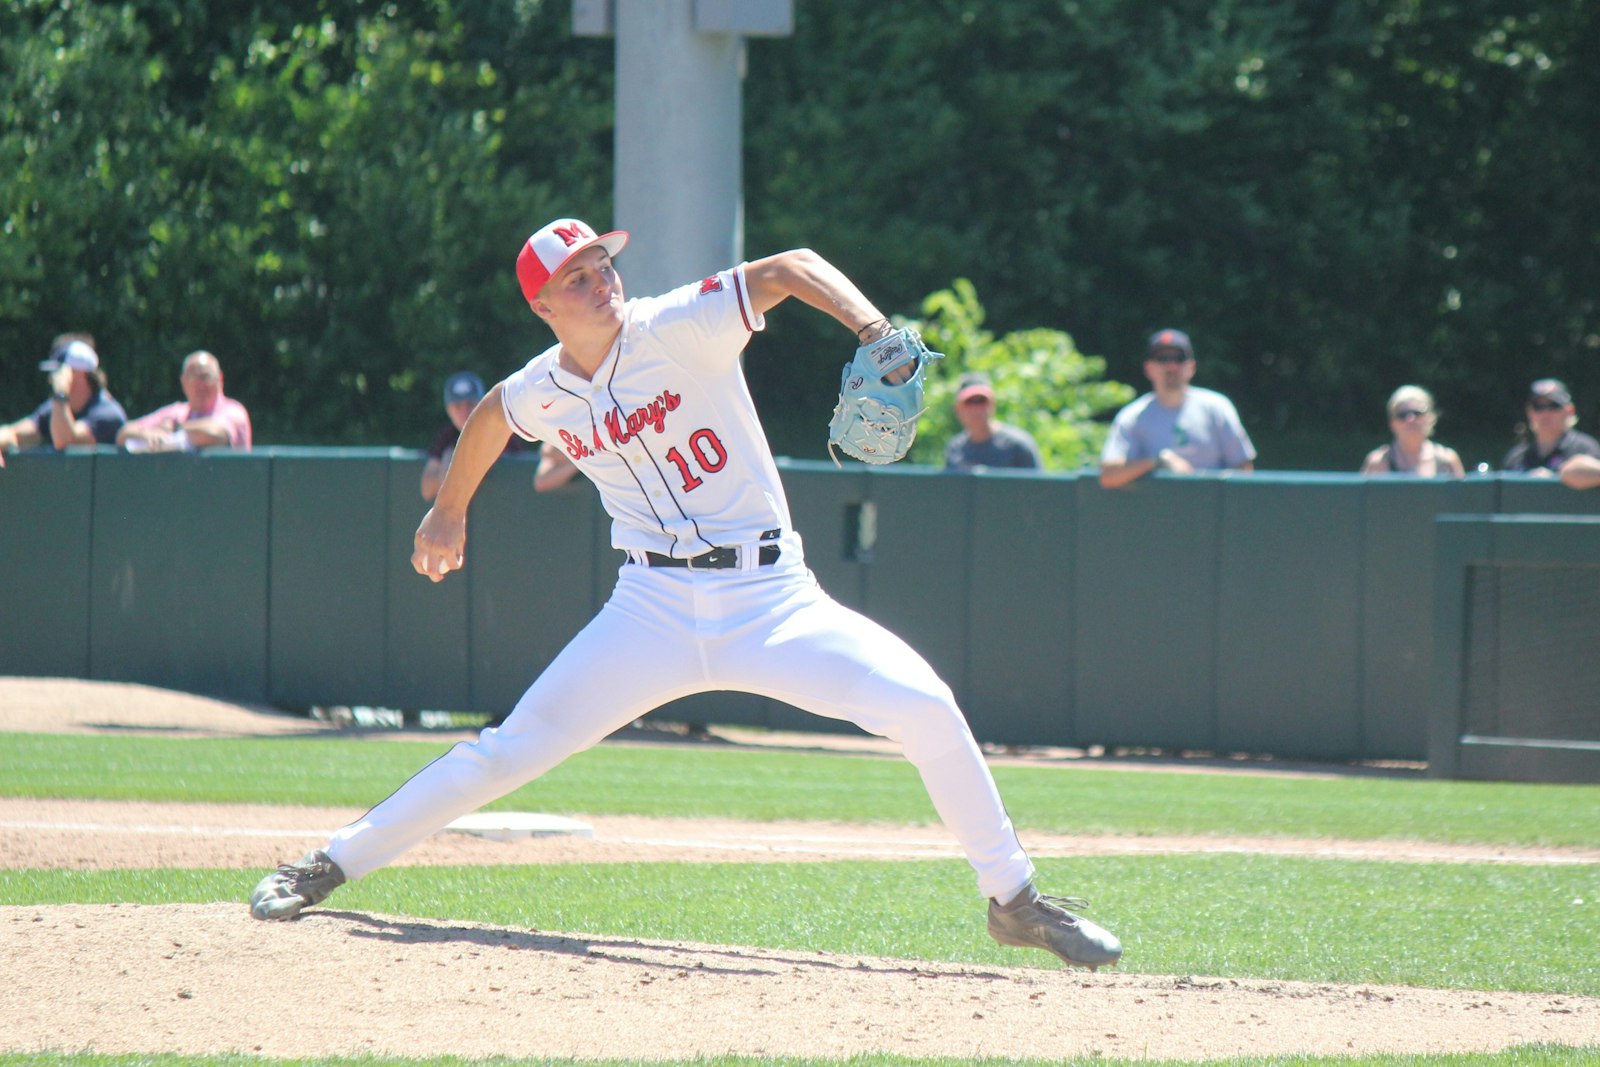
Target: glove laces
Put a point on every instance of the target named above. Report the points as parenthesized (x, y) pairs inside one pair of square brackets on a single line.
[(878, 429)]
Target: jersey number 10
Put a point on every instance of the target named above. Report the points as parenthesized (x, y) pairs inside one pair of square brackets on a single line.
[(708, 453)]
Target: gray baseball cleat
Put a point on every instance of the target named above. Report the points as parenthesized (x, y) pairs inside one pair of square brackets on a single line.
[(293, 887), (1034, 921)]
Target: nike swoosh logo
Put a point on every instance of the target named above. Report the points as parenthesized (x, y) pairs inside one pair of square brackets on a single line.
[(547, 405)]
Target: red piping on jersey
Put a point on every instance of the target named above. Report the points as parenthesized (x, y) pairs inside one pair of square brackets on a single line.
[(738, 289), (515, 425)]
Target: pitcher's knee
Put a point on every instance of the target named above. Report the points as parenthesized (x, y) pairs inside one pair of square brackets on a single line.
[(500, 760), (926, 724), (936, 730)]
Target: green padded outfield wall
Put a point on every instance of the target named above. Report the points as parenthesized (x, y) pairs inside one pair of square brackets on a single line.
[(1018, 596), (1274, 612), (426, 637), (1397, 626), (180, 572), (1143, 612), (1288, 616), (46, 504), (1523, 494), (327, 610)]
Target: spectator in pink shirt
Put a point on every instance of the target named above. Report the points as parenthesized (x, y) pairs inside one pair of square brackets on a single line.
[(205, 418)]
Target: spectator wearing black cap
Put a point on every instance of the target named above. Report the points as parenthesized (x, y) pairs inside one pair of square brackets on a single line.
[(1177, 426), (984, 440), (1549, 439), (80, 411), (462, 391)]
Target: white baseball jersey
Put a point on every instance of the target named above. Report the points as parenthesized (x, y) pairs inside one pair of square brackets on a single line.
[(666, 428)]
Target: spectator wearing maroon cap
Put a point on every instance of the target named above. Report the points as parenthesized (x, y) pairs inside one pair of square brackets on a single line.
[(1177, 427), (80, 411), (984, 440), (1548, 438)]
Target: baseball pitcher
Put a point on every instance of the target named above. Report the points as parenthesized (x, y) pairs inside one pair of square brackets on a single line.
[(648, 399)]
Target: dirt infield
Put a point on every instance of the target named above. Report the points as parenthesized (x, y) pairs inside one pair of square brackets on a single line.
[(192, 978)]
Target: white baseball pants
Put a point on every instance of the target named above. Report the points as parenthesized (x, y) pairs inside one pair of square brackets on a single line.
[(668, 633)]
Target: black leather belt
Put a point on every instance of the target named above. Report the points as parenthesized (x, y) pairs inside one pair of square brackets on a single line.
[(720, 559)]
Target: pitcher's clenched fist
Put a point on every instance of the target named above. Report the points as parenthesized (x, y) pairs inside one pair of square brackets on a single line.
[(440, 544)]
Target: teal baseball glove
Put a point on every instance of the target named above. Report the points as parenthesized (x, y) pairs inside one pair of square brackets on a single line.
[(880, 399)]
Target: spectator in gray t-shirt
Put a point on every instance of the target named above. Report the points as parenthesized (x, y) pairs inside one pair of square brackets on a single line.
[(1177, 427), (984, 440)]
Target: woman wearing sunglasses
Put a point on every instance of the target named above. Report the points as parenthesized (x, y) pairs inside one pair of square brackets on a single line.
[(1548, 437), (1413, 450)]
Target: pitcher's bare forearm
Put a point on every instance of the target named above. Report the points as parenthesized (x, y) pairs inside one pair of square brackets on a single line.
[(441, 540), (482, 441), (812, 280)]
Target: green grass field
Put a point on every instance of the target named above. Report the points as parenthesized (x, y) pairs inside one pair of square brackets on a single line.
[(1285, 917), (767, 785)]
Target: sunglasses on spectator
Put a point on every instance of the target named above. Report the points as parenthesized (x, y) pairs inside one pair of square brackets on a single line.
[(1545, 405), (1171, 357), (1411, 414)]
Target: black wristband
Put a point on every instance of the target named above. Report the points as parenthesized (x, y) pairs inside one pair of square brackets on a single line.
[(870, 325), (61, 397)]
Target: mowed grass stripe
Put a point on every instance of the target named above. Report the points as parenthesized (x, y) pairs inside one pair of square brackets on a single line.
[(724, 783)]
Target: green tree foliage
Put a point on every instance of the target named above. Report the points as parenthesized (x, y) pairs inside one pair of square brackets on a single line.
[(81, 173), (320, 193), (1332, 198), (1042, 383)]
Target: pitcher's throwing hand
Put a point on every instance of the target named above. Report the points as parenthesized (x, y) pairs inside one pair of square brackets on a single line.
[(438, 546)]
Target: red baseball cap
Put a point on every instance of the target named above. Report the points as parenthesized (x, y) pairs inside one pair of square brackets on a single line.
[(974, 385), (547, 251)]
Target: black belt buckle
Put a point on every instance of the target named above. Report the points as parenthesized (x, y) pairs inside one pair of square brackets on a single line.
[(721, 558), (716, 560)]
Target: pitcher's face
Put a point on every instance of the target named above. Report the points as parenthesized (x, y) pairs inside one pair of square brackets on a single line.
[(586, 292)]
